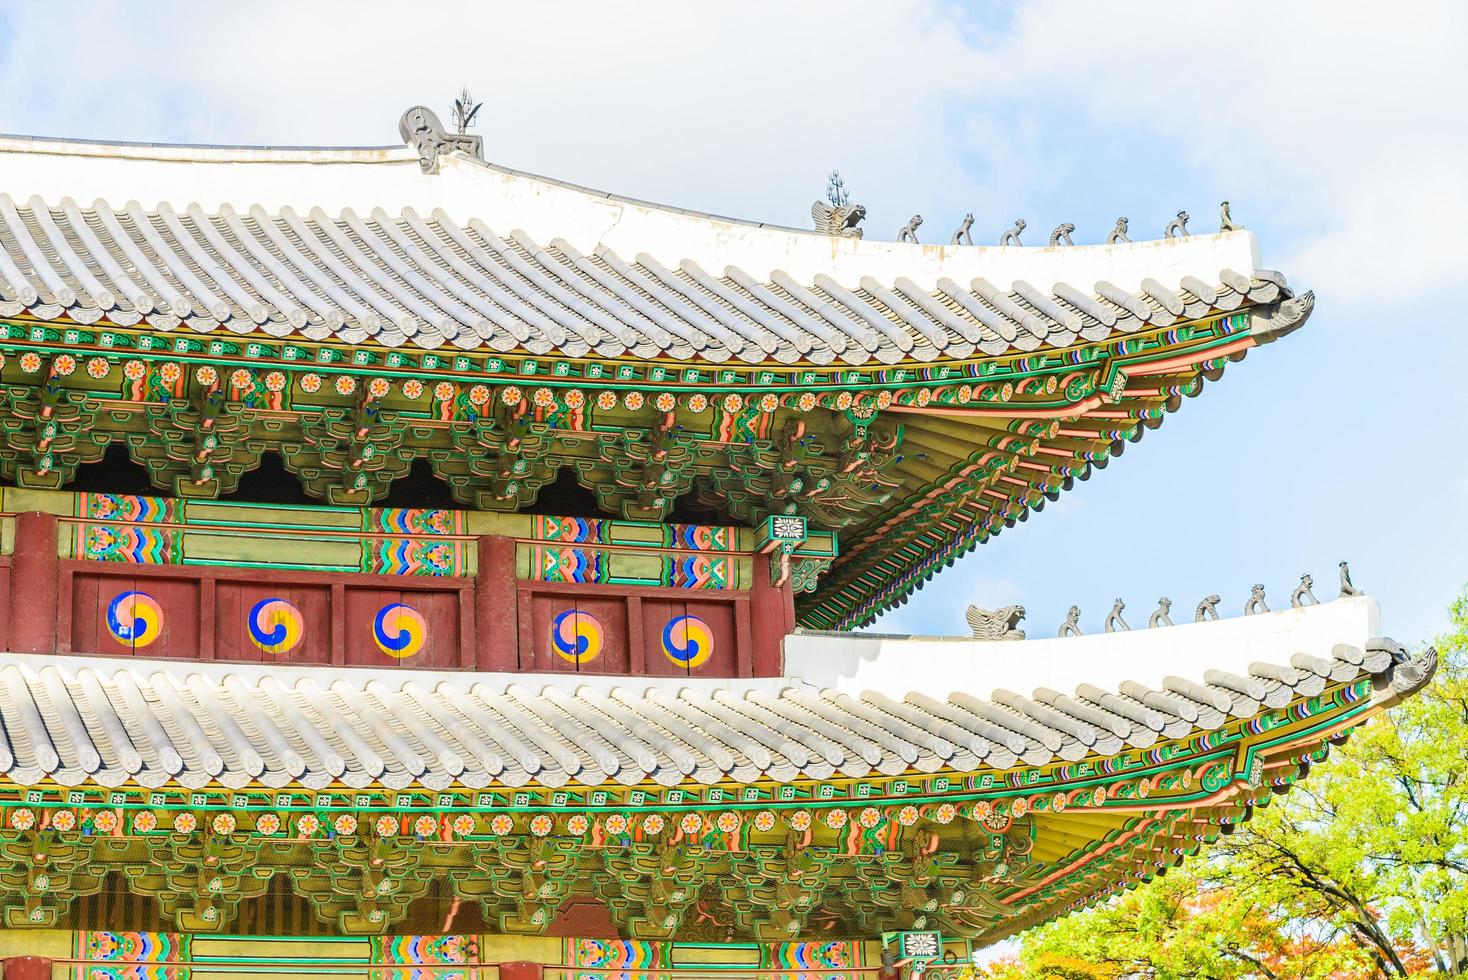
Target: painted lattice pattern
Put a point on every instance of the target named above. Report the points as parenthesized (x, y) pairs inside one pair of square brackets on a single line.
[(710, 568), (126, 528), (411, 546), (130, 956)]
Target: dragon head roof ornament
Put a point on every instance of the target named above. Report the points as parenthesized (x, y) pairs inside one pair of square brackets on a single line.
[(421, 129)]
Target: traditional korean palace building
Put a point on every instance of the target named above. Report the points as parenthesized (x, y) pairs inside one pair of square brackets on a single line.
[(417, 568)]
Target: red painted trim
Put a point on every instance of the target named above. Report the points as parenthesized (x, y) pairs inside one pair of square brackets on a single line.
[(257, 576), (39, 968), (33, 584), (496, 606), (636, 645), (208, 609)]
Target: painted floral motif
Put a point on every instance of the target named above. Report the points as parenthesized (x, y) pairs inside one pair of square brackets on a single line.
[(501, 824), (982, 809), (633, 400), (728, 822), (30, 362), (965, 393), (606, 400), (275, 381), (769, 402), (907, 816), (733, 403), (97, 368), (575, 398), (924, 396), (807, 401), (22, 818), (665, 402), (412, 388), (311, 383), (144, 822), (653, 824), (463, 825), (870, 817), (241, 379), (544, 398), (63, 820), (308, 824), (223, 823), (135, 371), (185, 823), (616, 825), (379, 387), (577, 825), (1057, 802), (64, 365), (835, 819), (207, 376), (541, 825), (764, 821), (267, 824), (1098, 796), (945, 813), (884, 399), (479, 395), (843, 401), (169, 372), (425, 826), (387, 825), (345, 824), (800, 820), (443, 391), (344, 384), (698, 403), (691, 823)]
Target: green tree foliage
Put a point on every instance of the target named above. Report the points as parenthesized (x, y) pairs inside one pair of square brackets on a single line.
[(1360, 871)]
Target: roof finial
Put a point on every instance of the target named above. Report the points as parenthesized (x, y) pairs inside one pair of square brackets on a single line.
[(1178, 227), (1118, 233), (1072, 624), (1347, 588), (908, 233), (421, 129), (1161, 617), (836, 215), (1226, 221), (962, 236), (1061, 234), (465, 109), (997, 624), (1011, 237)]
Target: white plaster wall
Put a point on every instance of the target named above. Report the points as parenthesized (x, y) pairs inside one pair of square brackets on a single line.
[(389, 178), (937, 666)]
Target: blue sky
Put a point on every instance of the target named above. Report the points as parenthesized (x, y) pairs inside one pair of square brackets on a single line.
[(1335, 129)]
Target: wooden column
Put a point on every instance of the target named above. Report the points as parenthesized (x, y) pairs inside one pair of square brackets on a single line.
[(33, 580), (496, 618), (27, 968), (772, 616)]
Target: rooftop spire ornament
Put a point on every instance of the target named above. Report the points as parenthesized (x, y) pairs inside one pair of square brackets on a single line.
[(836, 215), (465, 110)]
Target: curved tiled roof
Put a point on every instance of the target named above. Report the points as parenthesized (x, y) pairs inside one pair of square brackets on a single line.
[(114, 722), (482, 258)]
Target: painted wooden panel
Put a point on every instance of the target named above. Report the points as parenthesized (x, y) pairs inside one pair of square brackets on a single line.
[(275, 623), (402, 628), (572, 632), (121, 615)]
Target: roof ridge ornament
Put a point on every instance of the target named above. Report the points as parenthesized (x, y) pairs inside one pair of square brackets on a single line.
[(997, 624), (1011, 237), (837, 220), (1061, 234), (1118, 233), (908, 233), (1226, 221), (421, 129), (1161, 618), (962, 236), (1347, 589), (1177, 227)]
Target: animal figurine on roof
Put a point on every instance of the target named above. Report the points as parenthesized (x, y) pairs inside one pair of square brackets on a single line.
[(839, 221), (1347, 589), (1207, 609), (1061, 235), (1072, 624), (997, 624), (1114, 622), (1118, 233), (1302, 596), (1256, 603), (1161, 617), (1226, 221), (961, 236), (908, 233), (421, 129), (1177, 227), (1011, 237)]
